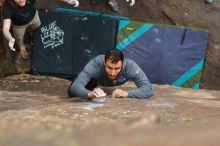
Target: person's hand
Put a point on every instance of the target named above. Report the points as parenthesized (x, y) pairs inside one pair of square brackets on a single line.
[(132, 2), (11, 44), (72, 2), (97, 92), (119, 93)]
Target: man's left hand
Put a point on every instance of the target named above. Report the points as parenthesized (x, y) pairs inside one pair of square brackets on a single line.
[(119, 93)]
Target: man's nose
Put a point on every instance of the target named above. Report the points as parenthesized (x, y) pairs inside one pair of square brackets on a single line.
[(112, 72)]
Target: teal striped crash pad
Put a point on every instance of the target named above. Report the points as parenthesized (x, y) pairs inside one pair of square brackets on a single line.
[(167, 54)]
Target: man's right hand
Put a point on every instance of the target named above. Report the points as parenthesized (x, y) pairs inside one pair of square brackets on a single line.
[(11, 44), (97, 92)]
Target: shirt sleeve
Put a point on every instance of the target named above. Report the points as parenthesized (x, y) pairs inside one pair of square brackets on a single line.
[(6, 11), (144, 87), (78, 86)]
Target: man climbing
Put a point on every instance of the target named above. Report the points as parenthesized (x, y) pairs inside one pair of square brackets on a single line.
[(111, 69)]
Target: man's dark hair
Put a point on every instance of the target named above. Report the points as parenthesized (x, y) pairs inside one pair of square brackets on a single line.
[(114, 55)]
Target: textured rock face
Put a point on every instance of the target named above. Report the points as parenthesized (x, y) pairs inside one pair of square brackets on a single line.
[(36, 111), (176, 12)]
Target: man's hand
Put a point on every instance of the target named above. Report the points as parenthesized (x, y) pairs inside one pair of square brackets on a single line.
[(132, 2), (97, 92), (11, 44), (72, 2), (119, 93)]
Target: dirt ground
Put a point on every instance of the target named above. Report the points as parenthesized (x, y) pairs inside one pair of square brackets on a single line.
[(35, 110)]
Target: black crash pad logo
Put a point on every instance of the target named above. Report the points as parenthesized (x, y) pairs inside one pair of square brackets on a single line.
[(52, 35)]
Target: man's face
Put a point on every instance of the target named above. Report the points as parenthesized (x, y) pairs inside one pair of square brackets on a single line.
[(112, 69), (20, 3)]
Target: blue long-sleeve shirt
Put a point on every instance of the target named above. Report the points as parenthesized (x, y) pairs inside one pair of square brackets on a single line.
[(95, 70)]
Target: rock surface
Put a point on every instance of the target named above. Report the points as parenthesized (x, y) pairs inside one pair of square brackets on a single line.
[(35, 110)]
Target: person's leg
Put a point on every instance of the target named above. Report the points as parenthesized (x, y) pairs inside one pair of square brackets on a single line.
[(20, 31), (23, 52), (114, 5), (19, 37), (35, 23)]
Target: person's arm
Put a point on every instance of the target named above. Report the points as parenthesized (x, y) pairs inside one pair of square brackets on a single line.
[(144, 87), (7, 34), (78, 86), (6, 29)]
